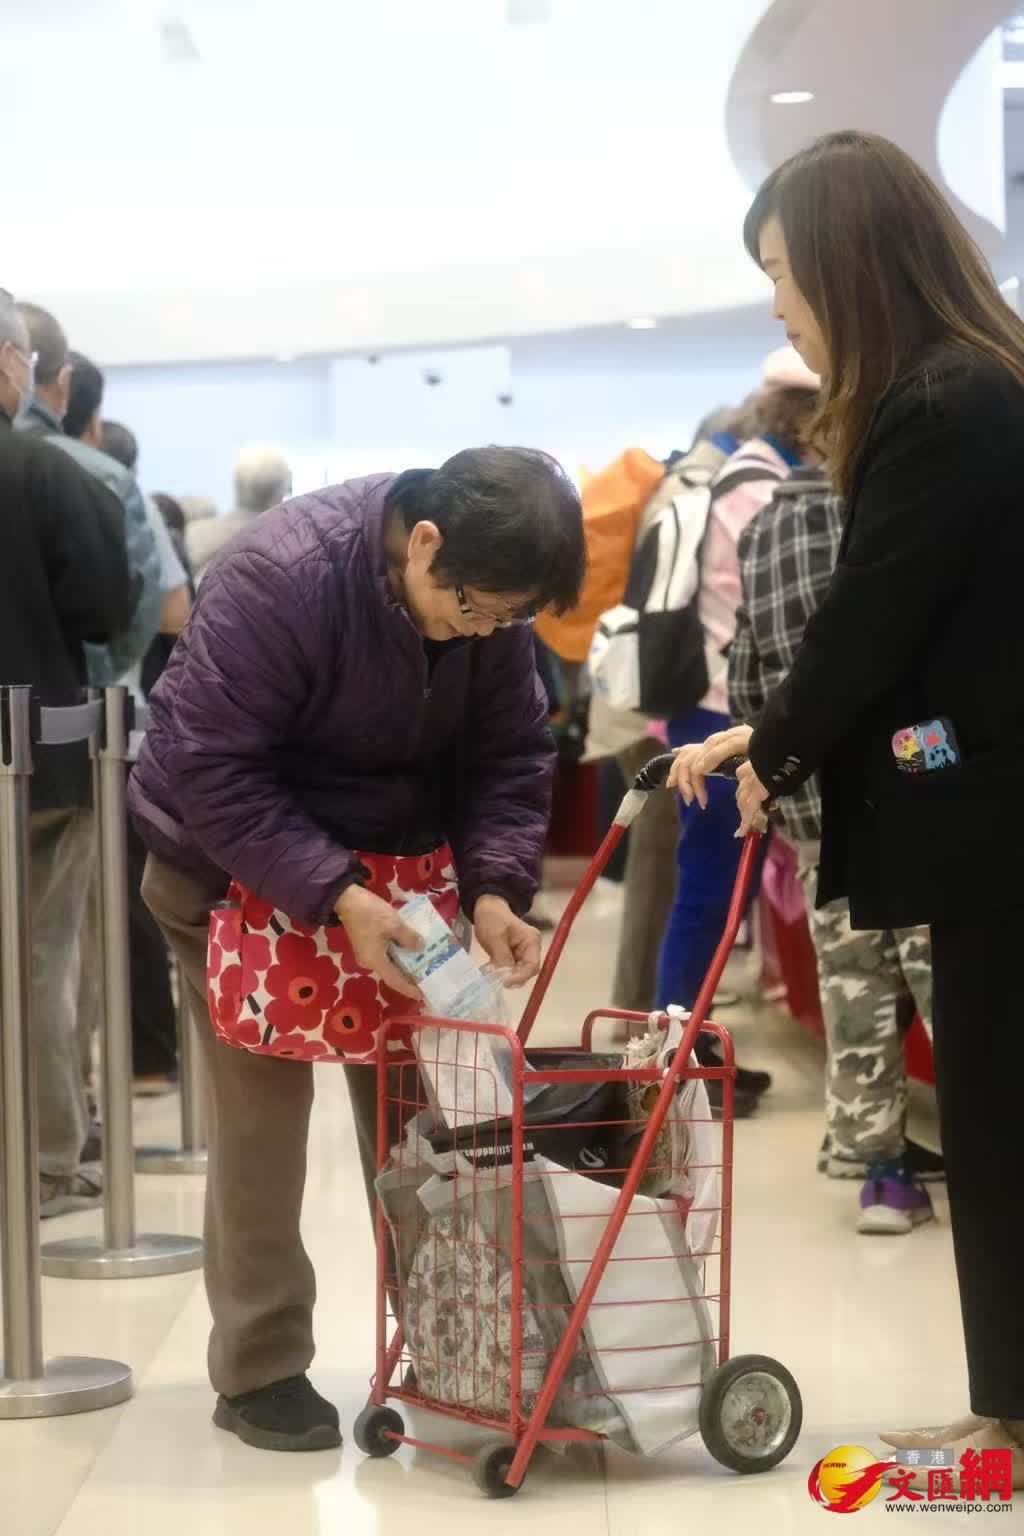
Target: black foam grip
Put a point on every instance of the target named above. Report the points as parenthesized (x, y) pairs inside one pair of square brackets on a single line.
[(728, 769), (654, 774)]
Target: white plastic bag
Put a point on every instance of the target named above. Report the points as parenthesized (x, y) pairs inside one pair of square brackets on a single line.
[(468, 1075)]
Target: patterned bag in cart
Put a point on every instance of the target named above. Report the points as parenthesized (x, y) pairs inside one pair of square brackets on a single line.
[(279, 987)]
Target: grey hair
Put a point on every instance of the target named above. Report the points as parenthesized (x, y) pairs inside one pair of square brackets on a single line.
[(263, 477), (12, 323)]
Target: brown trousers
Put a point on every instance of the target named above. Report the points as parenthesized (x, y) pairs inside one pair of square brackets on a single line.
[(259, 1278), (649, 887)]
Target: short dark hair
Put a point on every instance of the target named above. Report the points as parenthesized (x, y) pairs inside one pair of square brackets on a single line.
[(510, 519), (171, 511), (787, 414), (85, 395), (735, 420), (120, 443), (47, 340)]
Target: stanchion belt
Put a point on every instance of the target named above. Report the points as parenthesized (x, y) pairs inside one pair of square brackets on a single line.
[(137, 736), (73, 722)]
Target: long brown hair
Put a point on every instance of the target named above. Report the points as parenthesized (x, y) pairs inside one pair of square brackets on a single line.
[(887, 268)]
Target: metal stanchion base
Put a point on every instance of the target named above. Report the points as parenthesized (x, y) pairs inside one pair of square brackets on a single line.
[(169, 1160), (67, 1385), (86, 1258)]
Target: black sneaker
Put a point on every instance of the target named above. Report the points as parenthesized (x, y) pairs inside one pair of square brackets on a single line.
[(747, 1082), (756, 1083), (743, 1104), (925, 1166), (289, 1415)]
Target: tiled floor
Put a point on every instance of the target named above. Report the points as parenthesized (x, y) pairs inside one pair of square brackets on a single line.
[(868, 1326)]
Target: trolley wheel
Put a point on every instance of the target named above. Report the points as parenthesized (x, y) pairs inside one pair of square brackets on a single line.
[(490, 1469), (750, 1413), (374, 1428)]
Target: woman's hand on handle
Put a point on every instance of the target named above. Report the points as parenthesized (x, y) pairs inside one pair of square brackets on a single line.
[(693, 763), (509, 943), (372, 925)]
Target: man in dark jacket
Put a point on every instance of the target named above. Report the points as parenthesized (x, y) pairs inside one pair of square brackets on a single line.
[(67, 393), (65, 580), (357, 674)]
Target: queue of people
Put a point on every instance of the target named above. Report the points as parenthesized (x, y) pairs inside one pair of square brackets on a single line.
[(99, 586), (353, 674)]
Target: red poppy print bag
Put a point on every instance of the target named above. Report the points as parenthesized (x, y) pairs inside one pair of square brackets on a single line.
[(282, 988)]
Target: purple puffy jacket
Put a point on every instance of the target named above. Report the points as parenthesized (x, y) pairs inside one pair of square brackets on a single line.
[(298, 720)]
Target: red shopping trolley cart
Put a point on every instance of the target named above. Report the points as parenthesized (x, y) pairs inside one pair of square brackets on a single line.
[(554, 1233)]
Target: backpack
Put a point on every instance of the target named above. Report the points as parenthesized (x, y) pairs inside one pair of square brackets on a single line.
[(612, 500), (648, 652)]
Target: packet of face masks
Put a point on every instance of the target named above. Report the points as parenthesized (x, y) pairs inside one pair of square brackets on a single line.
[(468, 1075)]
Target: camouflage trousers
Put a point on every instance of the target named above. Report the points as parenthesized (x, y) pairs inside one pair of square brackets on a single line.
[(872, 982)]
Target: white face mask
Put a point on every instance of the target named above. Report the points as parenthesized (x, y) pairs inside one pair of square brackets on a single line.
[(30, 385), (26, 390)]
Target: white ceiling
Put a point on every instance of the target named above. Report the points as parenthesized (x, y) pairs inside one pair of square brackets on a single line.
[(335, 174)]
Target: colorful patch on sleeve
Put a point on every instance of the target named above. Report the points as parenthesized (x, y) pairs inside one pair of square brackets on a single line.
[(925, 748)]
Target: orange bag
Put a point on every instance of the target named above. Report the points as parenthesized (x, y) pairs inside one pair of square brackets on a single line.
[(612, 502)]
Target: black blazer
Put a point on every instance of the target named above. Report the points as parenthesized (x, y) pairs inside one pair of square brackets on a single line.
[(64, 579), (924, 619)]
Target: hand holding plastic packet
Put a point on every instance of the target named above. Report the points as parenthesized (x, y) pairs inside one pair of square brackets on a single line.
[(468, 1076)]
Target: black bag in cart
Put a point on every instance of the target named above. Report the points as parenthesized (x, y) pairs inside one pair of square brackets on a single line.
[(577, 1125)]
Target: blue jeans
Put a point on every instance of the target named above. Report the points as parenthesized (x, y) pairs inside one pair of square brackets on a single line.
[(707, 858)]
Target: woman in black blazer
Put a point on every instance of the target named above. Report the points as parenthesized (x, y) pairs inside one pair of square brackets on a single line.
[(908, 692)]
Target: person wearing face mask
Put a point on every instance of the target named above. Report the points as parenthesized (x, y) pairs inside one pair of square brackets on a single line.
[(64, 582), (357, 673), (64, 407), (894, 695)]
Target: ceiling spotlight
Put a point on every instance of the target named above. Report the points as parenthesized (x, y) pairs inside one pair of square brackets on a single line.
[(643, 323), (284, 357), (791, 98)]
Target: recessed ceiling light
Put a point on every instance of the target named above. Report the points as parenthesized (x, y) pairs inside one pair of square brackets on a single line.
[(643, 323), (177, 43), (284, 357), (791, 98)]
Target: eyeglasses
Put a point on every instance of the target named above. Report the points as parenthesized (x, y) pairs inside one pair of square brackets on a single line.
[(469, 612)]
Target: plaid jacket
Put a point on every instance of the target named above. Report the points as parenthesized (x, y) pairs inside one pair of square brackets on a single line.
[(786, 555)]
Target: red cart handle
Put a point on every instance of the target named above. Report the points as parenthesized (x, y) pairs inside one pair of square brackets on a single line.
[(641, 1157), (647, 780)]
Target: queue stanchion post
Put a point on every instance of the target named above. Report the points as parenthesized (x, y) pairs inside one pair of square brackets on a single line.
[(30, 1387), (121, 1252), (190, 1157)]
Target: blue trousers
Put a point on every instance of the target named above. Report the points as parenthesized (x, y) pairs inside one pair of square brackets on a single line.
[(708, 857)]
